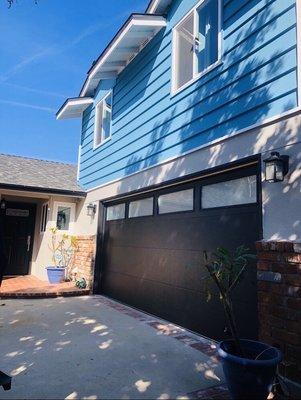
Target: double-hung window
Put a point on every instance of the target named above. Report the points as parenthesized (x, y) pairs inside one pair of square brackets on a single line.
[(197, 42), (103, 117)]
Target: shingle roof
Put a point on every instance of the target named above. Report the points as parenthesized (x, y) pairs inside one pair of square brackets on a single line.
[(40, 174)]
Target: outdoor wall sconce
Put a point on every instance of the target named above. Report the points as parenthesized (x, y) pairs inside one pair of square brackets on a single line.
[(91, 210), (276, 167), (2, 204)]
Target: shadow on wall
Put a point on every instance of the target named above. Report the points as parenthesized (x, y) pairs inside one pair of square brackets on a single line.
[(224, 101)]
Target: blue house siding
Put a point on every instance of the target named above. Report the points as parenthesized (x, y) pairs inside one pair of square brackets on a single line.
[(257, 79)]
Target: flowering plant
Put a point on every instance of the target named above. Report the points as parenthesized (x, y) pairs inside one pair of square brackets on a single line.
[(62, 248)]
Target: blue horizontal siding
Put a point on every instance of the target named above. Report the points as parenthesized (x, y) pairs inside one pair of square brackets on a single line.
[(256, 80)]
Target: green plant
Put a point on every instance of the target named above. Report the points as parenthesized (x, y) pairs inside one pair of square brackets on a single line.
[(62, 248), (226, 269)]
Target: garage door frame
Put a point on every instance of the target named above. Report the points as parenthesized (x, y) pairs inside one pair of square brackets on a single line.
[(166, 187)]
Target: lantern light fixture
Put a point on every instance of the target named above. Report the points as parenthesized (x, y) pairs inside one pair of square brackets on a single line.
[(276, 167), (91, 209)]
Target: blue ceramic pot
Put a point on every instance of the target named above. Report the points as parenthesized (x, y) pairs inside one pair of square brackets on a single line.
[(248, 378), (56, 274)]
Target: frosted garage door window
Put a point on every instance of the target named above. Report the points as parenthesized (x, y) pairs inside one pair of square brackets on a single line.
[(141, 208), (116, 212), (176, 202), (230, 193)]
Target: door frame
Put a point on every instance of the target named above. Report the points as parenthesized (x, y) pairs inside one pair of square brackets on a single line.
[(33, 208)]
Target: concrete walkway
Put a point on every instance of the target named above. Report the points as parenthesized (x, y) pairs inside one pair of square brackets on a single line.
[(94, 348)]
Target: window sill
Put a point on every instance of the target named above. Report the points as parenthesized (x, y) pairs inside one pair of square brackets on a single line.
[(174, 92), (102, 143)]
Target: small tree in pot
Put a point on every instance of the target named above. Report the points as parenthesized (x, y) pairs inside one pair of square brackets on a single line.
[(249, 366), (63, 249)]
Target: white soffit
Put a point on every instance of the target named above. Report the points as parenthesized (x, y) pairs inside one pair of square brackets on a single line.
[(73, 108), (132, 37), (158, 6)]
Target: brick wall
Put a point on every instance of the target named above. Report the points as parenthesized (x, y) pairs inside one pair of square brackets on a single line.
[(279, 302), (84, 258)]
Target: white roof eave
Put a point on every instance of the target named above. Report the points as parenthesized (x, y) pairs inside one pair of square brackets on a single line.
[(158, 6), (129, 41), (74, 108)]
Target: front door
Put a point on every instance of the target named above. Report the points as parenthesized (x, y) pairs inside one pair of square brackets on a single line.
[(18, 231)]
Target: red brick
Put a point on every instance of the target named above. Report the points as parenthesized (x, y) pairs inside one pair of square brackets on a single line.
[(286, 313), (292, 279), (264, 265), (294, 303), (270, 256), (292, 257), (286, 268), (285, 336)]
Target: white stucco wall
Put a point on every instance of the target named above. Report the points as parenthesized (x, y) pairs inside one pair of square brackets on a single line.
[(82, 225), (281, 201)]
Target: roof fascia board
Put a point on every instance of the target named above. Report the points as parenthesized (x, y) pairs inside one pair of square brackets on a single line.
[(49, 191), (73, 102)]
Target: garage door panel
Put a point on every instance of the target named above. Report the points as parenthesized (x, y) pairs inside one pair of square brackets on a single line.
[(155, 263), (166, 266)]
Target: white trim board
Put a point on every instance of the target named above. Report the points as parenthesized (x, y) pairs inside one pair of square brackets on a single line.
[(262, 124)]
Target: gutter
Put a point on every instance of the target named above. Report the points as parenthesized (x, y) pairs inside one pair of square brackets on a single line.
[(50, 191)]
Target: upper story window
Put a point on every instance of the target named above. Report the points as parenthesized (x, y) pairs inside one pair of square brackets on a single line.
[(196, 43), (103, 117)]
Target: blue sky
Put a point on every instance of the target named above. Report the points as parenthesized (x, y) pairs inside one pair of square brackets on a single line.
[(45, 52)]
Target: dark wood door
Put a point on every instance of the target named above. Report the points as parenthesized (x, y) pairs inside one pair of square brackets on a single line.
[(18, 228), (155, 263)]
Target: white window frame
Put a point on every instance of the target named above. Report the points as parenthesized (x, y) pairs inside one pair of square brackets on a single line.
[(58, 204), (174, 59), (99, 105), (46, 205), (78, 162)]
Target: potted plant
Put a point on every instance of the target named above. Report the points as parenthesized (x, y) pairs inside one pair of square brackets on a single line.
[(249, 366), (62, 249)]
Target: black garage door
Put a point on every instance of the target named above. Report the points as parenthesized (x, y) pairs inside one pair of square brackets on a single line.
[(154, 243)]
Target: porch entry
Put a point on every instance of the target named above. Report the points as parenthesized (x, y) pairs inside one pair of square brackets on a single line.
[(18, 231)]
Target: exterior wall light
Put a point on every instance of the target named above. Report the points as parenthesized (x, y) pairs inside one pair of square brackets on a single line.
[(91, 209), (276, 167)]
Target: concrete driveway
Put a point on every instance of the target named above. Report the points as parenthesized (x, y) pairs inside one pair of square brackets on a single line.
[(92, 347)]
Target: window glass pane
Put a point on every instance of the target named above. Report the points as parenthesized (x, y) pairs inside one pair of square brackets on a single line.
[(103, 116), (63, 218), (116, 212), (43, 219), (176, 201), (98, 124), (106, 123), (230, 193), (141, 208), (185, 51), (207, 50)]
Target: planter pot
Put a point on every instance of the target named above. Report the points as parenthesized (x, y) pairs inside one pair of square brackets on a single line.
[(56, 274), (248, 378)]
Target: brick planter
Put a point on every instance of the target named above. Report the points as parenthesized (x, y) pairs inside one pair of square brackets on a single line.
[(84, 258), (279, 302)]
